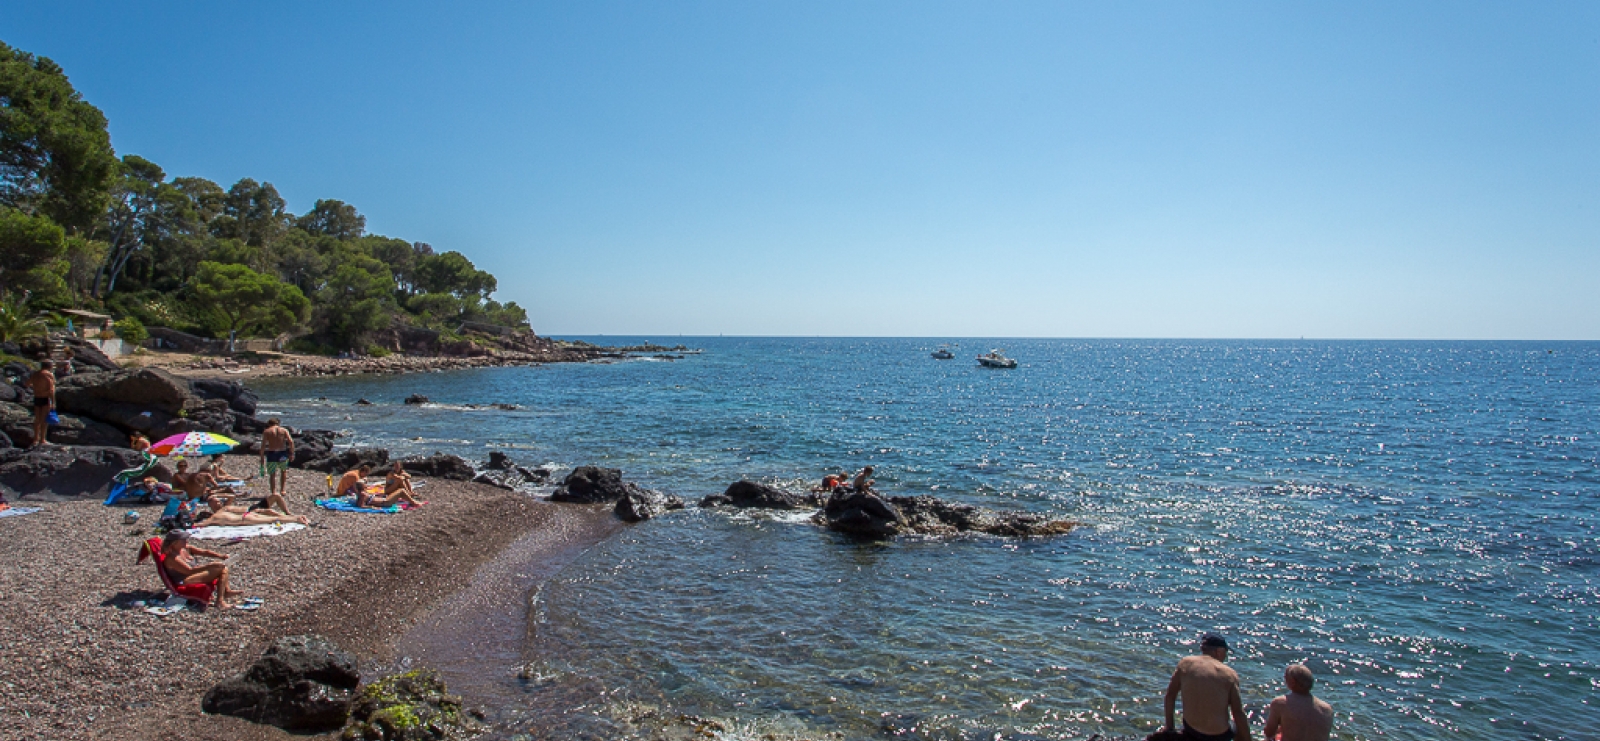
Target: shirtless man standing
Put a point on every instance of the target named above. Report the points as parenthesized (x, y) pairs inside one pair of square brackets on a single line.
[(1298, 716), (1210, 693), (44, 400), (175, 546), (277, 449)]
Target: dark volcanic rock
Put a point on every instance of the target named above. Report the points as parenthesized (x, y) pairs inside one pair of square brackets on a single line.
[(498, 479), (499, 461), (591, 485), (247, 424), (930, 516), (239, 398), (346, 460), (640, 504), (413, 706), (147, 388), (362, 402), (864, 515), (536, 475), (54, 472), (416, 399), (301, 683), (872, 516), (439, 466), (310, 445), (752, 494), (17, 423), (8, 393)]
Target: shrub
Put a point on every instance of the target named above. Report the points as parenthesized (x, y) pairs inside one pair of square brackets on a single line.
[(131, 330), (378, 351)]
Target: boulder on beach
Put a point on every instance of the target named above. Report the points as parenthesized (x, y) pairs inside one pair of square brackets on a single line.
[(16, 421), (416, 399), (412, 706), (638, 504), (310, 445), (86, 355), (752, 494), (58, 472), (592, 485), (302, 683), (872, 516), (346, 460), (438, 466), (147, 388)]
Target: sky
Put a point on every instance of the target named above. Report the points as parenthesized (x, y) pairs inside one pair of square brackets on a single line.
[(1422, 170)]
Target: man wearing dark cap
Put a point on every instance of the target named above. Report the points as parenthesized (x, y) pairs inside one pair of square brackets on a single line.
[(1210, 693)]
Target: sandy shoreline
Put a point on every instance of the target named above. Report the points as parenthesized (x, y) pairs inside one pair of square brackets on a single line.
[(79, 663)]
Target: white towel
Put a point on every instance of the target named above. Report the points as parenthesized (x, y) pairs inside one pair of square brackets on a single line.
[(215, 532), (18, 511)]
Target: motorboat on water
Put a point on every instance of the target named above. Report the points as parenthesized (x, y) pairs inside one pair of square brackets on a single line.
[(943, 353), (996, 359)]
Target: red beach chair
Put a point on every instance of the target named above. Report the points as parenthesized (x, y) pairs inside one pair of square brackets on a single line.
[(197, 592)]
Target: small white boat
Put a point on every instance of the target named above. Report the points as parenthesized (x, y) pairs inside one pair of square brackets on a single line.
[(943, 353), (996, 359)]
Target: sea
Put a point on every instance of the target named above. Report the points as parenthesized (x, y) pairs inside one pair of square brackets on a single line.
[(1414, 521)]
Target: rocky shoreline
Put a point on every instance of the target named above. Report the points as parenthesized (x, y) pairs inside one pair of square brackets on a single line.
[(266, 365)]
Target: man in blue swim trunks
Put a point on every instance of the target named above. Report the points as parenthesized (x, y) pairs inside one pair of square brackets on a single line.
[(1210, 691), (277, 449)]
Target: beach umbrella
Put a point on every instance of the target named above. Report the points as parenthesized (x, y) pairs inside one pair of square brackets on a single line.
[(194, 443)]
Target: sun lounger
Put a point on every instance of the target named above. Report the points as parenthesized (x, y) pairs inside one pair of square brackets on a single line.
[(195, 592)]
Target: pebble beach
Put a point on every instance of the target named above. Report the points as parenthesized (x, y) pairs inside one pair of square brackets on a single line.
[(82, 661)]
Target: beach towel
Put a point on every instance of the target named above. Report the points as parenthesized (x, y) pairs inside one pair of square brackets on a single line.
[(346, 504), (18, 511), (137, 472), (159, 493), (218, 532)]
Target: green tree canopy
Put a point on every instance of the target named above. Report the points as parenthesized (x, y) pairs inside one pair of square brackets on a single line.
[(32, 247), (451, 272), (335, 219), (55, 155), (249, 301)]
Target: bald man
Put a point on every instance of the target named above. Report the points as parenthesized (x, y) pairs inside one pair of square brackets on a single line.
[(1210, 692), (1298, 716)]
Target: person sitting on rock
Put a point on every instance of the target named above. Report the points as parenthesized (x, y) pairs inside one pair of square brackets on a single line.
[(832, 481), (398, 481), (182, 569), (864, 481)]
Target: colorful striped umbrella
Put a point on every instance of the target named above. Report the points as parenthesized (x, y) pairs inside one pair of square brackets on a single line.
[(194, 443)]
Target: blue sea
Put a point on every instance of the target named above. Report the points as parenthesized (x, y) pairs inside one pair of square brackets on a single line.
[(1415, 521)]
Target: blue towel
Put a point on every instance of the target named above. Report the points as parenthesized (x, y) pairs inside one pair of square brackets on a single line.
[(346, 504), (116, 491)]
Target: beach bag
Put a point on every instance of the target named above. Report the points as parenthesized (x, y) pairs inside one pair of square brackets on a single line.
[(180, 520), (52, 419)]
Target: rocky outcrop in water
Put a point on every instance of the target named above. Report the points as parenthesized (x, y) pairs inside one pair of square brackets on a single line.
[(413, 706), (872, 516), (239, 398), (302, 684), (638, 505), (752, 494), (416, 399)]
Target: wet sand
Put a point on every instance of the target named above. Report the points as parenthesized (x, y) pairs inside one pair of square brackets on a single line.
[(78, 661)]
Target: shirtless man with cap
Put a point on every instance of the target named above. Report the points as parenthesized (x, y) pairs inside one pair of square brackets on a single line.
[(1298, 716), (1210, 693)]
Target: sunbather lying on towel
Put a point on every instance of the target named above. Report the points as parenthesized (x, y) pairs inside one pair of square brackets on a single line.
[(351, 485), (182, 568), (230, 518)]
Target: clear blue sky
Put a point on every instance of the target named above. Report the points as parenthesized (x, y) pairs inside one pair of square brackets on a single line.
[(1177, 169)]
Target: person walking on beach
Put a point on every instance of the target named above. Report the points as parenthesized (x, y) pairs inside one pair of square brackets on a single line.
[(1210, 691), (277, 449), (43, 383), (1298, 716)]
